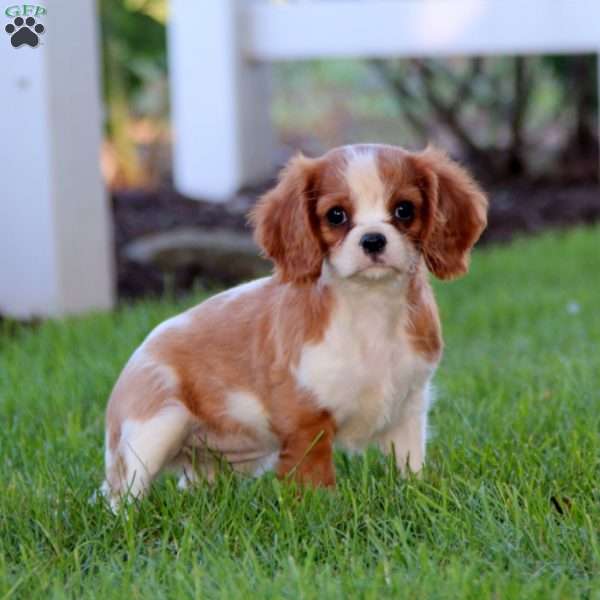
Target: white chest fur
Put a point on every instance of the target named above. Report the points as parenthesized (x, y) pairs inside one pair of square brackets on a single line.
[(364, 371)]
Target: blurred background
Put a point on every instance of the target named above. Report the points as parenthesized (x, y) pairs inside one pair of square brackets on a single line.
[(526, 125)]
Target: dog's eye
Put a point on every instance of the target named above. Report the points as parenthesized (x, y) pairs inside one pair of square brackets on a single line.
[(336, 215), (404, 211)]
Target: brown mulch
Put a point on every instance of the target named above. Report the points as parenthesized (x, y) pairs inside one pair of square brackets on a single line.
[(516, 208), (526, 208)]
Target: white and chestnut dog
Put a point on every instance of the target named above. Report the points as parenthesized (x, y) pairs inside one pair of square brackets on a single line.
[(337, 347)]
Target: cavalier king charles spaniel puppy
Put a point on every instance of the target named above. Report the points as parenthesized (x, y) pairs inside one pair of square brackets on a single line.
[(337, 347)]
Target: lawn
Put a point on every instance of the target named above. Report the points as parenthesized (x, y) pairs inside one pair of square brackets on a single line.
[(508, 507)]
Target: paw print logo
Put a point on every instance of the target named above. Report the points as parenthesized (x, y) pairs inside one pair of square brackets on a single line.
[(24, 31)]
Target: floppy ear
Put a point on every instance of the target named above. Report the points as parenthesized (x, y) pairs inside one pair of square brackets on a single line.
[(456, 213), (286, 224)]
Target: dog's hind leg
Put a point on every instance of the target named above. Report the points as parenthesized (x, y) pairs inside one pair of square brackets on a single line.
[(144, 448)]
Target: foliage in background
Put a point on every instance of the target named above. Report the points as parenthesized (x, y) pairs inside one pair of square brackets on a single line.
[(579, 97), (509, 116), (506, 116), (134, 69)]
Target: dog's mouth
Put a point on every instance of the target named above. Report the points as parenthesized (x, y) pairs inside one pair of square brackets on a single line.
[(378, 269)]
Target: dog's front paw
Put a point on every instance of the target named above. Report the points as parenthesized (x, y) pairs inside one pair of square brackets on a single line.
[(407, 444), (410, 461)]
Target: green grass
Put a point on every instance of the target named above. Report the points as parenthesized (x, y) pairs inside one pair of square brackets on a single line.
[(516, 425)]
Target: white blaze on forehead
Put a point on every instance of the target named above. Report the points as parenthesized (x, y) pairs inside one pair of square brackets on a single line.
[(367, 189)]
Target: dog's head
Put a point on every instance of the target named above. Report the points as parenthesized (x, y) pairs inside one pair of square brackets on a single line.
[(371, 212)]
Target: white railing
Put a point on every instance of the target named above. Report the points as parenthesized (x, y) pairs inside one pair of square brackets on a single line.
[(221, 49)]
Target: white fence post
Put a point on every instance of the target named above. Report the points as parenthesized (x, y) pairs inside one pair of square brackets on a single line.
[(219, 100), (55, 246)]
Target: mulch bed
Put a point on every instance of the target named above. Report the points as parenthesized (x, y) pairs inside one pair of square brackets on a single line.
[(517, 208), (529, 208)]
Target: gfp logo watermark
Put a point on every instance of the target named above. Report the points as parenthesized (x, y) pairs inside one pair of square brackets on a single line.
[(25, 29)]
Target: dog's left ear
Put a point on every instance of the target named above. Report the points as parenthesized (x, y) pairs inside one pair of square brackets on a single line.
[(455, 211), (286, 224)]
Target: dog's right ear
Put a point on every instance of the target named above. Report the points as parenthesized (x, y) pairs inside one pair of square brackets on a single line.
[(286, 224)]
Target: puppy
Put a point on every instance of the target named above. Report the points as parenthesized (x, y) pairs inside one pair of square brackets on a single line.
[(338, 346)]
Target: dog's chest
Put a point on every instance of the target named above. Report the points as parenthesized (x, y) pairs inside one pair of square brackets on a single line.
[(363, 371)]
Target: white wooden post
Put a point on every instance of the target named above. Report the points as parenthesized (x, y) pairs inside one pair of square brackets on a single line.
[(219, 100), (55, 245)]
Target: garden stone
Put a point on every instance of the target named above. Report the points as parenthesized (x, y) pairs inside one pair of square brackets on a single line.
[(217, 255)]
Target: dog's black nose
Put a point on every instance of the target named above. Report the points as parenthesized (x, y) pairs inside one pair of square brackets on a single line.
[(373, 243)]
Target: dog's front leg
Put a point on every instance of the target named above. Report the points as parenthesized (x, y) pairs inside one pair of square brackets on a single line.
[(306, 453), (407, 439)]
